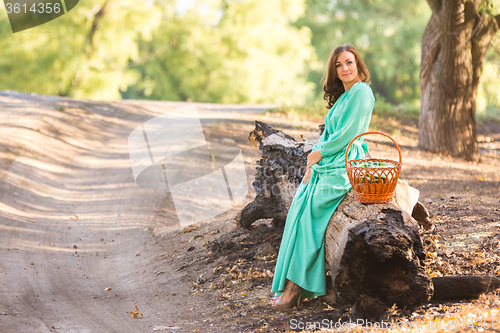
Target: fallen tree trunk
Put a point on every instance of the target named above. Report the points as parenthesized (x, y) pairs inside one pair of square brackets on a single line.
[(463, 287), (279, 172), (374, 251)]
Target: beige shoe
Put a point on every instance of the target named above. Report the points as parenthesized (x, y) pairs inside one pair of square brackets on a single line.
[(278, 303)]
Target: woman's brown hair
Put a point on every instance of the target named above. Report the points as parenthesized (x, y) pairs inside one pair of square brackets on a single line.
[(333, 86)]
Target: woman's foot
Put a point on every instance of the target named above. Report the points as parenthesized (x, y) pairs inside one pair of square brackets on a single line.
[(287, 298)]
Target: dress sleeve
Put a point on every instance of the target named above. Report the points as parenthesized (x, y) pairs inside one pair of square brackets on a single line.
[(354, 119), (318, 144)]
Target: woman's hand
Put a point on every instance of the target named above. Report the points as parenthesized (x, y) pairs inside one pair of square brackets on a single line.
[(307, 176), (313, 158)]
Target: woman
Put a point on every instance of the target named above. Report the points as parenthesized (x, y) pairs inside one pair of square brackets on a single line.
[(300, 268)]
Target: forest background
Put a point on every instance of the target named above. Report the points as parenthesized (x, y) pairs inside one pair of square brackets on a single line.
[(228, 51)]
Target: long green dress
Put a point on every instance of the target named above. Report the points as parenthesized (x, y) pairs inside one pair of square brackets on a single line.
[(301, 257)]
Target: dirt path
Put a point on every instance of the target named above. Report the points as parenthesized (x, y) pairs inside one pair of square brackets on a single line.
[(73, 223)]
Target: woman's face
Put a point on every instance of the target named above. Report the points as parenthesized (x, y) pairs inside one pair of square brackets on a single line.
[(347, 70)]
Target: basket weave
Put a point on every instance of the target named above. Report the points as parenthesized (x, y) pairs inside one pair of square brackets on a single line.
[(372, 182)]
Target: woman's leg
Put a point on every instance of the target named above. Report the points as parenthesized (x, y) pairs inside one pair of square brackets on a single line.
[(301, 256)]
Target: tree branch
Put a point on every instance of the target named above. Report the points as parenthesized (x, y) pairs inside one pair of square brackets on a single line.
[(497, 18), (471, 12), (435, 5), (98, 14), (95, 24)]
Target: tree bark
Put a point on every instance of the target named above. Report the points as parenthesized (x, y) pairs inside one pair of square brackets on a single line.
[(453, 49), (462, 287), (279, 173), (374, 252)]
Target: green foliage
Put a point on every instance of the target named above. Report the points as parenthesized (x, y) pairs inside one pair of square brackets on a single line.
[(387, 33), (490, 113), (383, 108), (228, 52), (486, 6), (56, 58), (488, 99), (220, 51), (316, 111)]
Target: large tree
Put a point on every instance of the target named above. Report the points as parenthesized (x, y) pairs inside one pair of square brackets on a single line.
[(453, 50)]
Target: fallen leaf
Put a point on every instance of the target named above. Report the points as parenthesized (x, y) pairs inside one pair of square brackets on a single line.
[(267, 258), (189, 229), (135, 314), (74, 218), (137, 254), (269, 273), (436, 273), (196, 330), (107, 289), (328, 307)]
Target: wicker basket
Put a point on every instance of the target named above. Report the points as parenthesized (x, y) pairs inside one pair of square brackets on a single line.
[(373, 180)]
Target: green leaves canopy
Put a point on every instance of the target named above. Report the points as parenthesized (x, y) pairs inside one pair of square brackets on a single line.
[(387, 33), (229, 52), (226, 51), (220, 51), (63, 57)]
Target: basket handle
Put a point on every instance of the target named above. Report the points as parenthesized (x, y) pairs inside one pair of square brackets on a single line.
[(373, 132)]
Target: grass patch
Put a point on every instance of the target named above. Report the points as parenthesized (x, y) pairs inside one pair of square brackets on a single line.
[(385, 117), (314, 111), (402, 112)]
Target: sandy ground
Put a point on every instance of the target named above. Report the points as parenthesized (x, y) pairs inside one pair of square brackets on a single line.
[(81, 245), (73, 223)]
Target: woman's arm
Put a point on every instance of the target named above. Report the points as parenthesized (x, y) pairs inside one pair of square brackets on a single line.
[(354, 119), (313, 158)]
